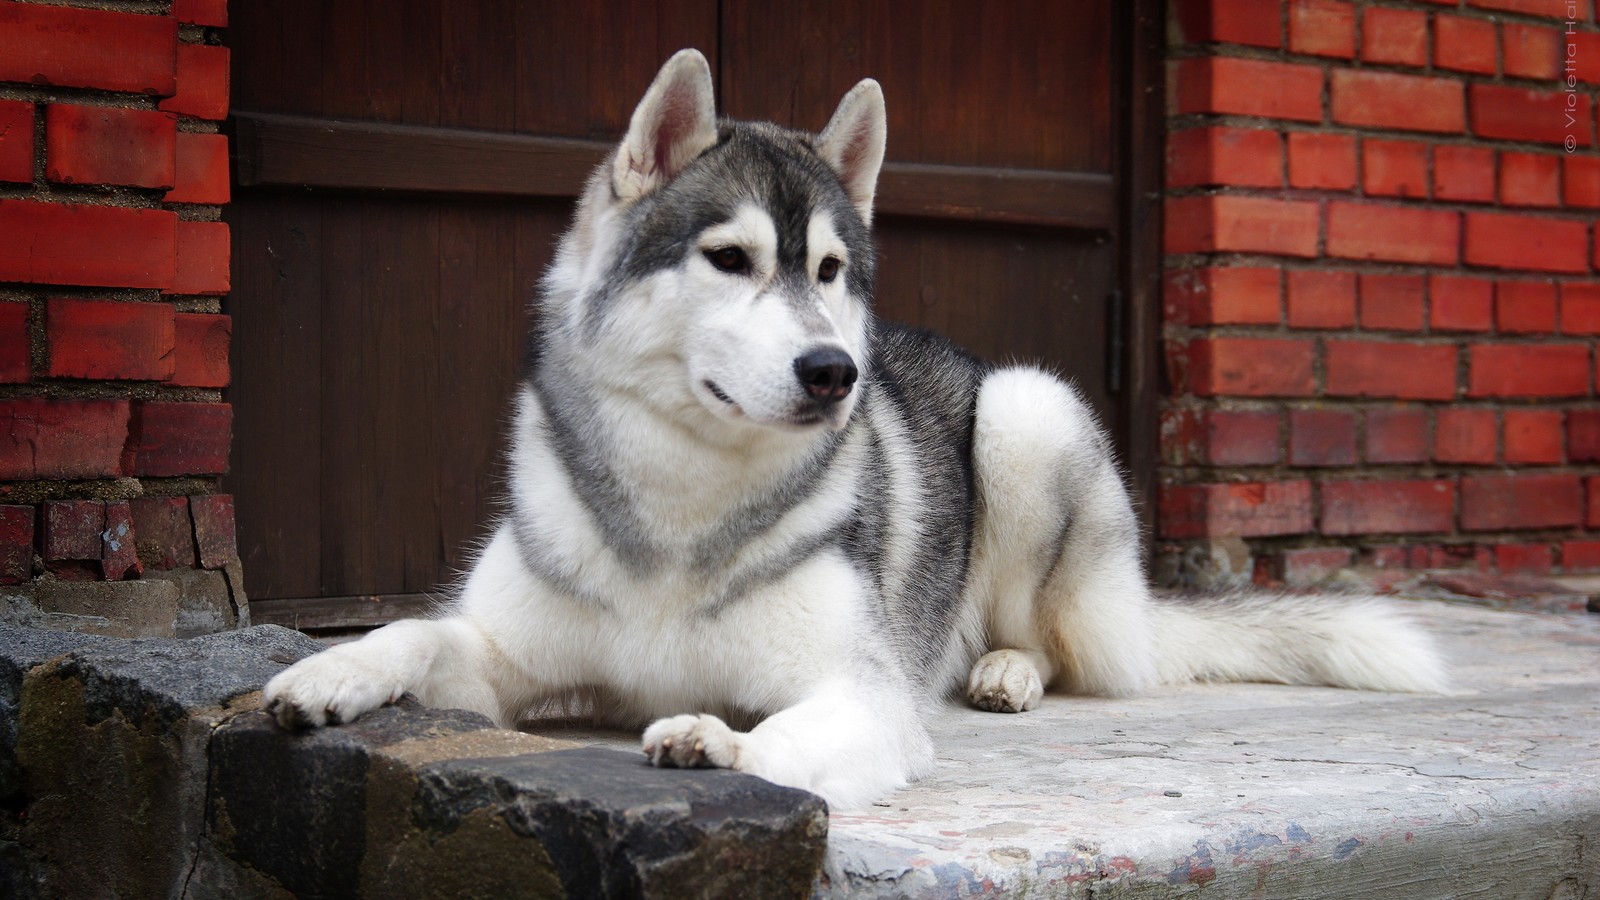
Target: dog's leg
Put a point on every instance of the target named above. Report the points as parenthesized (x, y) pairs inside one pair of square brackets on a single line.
[(1056, 562), (448, 662), (845, 741)]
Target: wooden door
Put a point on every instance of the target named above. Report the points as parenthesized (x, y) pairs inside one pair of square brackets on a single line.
[(405, 168)]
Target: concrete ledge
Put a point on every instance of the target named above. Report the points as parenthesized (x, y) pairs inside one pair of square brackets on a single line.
[(1267, 791), (144, 768)]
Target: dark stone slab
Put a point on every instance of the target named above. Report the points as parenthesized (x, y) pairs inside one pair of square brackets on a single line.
[(22, 649), (614, 826), (293, 805)]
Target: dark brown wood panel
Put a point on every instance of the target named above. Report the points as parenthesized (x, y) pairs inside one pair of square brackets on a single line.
[(1013, 84), (379, 315)]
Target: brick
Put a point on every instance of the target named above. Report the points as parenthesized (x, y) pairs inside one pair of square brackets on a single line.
[(1393, 233), (1580, 308), (1392, 302), (1515, 241), (16, 141), (1387, 507), (1465, 435), (1528, 370), (1243, 510), (1583, 435), (1530, 179), (1463, 44), (1555, 9), (118, 556), (1525, 307), (1322, 437), (1580, 181), (1251, 367), (108, 145), (60, 243), (1530, 51), (1394, 168), (202, 350), (88, 48), (1237, 295), (1591, 516), (1460, 303), (57, 439), (1240, 157), (1247, 87), (1463, 173), (1322, 28), (1241, 437), (203, 250), (180, 439), (1226, 22), (1322, 161), (1533, 436), (1397, 435), (16, 544), (201, 174), (1521, 114), (1535, 559), (202, 83), (1391, 369), (110, 339), (1320, 298), (214, 530), (1394, 36), (1181, 438), (1580, 556), (71, 531), (1583, 52), (212, 13), (1402, 102), (1310, 566), (16, 365), (164, 534), (1241, 225), (1513, 502)]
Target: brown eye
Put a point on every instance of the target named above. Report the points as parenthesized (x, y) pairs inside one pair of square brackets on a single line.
[(729, 259), (828, 271)]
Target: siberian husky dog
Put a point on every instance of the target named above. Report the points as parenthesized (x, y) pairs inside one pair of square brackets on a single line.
[(735, 497)]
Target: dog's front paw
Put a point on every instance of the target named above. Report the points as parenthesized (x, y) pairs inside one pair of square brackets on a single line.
[(1005, 681), (692, 742), (327, 689)]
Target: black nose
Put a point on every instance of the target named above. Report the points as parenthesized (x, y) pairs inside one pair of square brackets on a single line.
[(827, 374)]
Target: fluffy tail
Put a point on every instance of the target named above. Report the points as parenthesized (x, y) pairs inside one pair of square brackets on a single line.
[(1365, 644)]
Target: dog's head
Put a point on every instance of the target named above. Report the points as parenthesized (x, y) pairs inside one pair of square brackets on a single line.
[(726, 267)]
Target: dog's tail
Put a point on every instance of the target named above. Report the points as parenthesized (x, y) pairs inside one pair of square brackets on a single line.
[(1367, 644)]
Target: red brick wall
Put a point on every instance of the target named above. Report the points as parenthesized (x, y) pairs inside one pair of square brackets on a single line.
[(113, 351), (1381, 291)]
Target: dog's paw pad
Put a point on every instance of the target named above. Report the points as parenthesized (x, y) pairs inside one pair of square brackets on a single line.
[(688, 742), (1005, 681)]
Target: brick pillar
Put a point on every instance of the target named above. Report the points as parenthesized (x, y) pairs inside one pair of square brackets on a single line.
[(1381, 292), (113, 351)]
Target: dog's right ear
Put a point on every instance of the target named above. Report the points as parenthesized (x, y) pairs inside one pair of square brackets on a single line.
[(674, 123)]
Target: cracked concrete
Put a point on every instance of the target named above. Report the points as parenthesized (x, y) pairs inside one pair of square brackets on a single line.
[(1263, 790)]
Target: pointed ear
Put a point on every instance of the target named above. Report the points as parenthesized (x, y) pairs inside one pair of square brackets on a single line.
[(853, 143), (675, 122)]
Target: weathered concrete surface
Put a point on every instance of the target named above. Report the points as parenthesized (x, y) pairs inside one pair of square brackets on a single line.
[(1263, 791), (1267, 791)]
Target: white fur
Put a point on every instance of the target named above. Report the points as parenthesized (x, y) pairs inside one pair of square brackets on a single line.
[(1056, 594)]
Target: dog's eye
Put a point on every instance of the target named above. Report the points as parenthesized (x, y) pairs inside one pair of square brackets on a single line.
[(828, 271), (729, 259)]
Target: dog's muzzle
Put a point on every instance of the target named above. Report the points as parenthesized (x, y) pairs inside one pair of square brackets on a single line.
[(827, 374)]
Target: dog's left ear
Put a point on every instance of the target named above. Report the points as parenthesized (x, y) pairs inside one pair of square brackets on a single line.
[(674, 123), (853, 143)]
